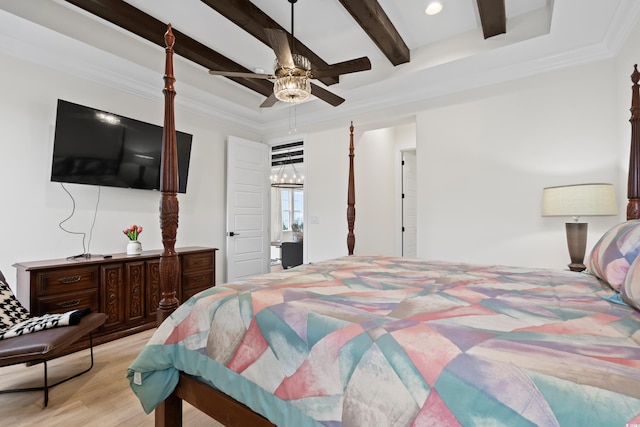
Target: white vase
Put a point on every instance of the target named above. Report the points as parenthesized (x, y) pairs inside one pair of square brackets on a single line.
[(134, 247)]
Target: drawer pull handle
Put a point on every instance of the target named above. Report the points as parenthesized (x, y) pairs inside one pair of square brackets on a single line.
[(198, 261), (71, 279), (199, 279), (68, 304)]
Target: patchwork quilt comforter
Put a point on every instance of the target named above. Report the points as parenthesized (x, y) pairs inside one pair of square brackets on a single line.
[(383, 341)]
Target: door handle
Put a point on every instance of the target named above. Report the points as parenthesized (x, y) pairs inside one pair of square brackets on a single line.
[(231, 234)]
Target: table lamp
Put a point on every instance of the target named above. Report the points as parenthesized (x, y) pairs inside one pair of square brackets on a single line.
[(576, 201)]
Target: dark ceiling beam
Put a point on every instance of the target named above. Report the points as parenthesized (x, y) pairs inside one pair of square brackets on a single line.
[(247, 16), (375, 22), (136, 21), (492, 17)]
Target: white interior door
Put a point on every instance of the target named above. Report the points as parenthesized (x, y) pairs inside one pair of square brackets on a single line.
[(409, 204), (248, 208)]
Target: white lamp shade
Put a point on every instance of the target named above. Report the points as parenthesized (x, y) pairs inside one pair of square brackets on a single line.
[(579, 200)]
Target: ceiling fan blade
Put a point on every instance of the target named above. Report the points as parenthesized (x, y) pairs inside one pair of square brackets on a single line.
[(241, 74), (279, 42), (325, 95), (269, 102), (346, 67)]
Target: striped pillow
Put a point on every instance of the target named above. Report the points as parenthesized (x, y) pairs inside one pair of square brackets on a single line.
[(614, 253)]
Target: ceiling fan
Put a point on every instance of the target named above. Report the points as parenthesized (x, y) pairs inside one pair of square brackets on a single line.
[(292, 71)]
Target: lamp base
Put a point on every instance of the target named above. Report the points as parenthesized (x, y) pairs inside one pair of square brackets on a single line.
[(577, 242), (577, 267)]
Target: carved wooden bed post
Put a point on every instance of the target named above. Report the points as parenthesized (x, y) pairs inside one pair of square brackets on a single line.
[(351, 197), (169, 412), (633, 186), (169, 264)]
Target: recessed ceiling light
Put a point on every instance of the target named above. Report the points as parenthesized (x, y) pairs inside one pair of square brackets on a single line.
[(433, 8)]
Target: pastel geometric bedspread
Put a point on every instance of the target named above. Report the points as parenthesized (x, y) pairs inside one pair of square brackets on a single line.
[(384, 341)]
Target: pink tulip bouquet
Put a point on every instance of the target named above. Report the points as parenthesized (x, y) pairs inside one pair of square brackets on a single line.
[(133, 232)]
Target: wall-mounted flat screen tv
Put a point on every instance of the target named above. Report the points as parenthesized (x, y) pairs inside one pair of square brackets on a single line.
[(100, 148)]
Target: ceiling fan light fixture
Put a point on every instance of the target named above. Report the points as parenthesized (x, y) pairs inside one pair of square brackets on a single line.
[(292, 88), (295, 85)]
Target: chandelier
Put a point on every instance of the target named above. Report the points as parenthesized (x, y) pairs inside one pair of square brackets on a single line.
[(292, 84), (287, 176)]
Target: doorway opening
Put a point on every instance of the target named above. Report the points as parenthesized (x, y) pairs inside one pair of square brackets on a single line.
[(287, 205)]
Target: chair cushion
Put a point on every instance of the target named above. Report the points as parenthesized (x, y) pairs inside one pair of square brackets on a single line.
[(11, 311), (49, 343)]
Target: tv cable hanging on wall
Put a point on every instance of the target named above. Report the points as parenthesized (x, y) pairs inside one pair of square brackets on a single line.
[(85, 251)]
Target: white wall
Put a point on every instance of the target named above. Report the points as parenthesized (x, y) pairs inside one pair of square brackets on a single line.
[(33, 206), (375, 159), (377, 168), (484, 160), (378, 157), (325, 191)]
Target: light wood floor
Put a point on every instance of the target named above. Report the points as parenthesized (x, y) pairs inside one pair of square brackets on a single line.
[(101, 397)]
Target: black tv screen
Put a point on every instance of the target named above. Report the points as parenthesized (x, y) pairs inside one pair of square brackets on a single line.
[(100, 148)]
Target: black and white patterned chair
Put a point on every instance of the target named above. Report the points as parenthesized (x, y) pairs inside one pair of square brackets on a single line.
[(24, 339)]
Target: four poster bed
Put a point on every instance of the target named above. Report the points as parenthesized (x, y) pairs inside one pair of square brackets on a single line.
[(382, 341)]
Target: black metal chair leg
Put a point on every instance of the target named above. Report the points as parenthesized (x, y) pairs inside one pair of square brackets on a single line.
[(46, 386)]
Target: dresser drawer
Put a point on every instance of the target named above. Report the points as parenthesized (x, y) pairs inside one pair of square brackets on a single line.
[(186, 294), (199, 261), (67, 302), (67, 280), (200, 280)]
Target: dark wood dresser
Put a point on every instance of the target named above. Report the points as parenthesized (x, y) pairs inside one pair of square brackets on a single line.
[(125, 287)]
